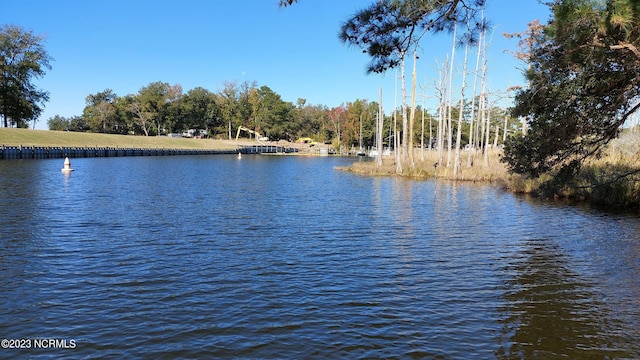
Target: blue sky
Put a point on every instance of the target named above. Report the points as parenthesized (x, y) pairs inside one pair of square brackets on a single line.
[(124, 45)]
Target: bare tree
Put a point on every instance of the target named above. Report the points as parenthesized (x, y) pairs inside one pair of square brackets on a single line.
[(450, 100), (404, 113), (442, 110), (379, 127), (144, 117), (413, 109), (456, 163), (472, 130)]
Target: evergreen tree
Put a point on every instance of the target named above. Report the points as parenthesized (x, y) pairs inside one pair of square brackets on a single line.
[(584, 85)]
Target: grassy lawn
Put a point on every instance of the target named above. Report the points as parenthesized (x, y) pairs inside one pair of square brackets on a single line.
[(44, 138)]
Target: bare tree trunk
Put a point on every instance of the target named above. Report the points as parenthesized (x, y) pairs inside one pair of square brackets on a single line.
[(486, 141), (405, 133), (450, 101), (506, 122), (424, 99), (413, 110), (430, 131), (396, 139), (379, 131), (472, 137), (483, 103), (143, 117), (396, 136), (442, 111), (430, 125), (456, 163), (481, 119), (339, 146)]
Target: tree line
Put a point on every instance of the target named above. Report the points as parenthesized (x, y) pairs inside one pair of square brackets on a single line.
[(161, 109)]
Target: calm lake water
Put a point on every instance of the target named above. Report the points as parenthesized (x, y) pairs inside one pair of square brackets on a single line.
[(285, 257)]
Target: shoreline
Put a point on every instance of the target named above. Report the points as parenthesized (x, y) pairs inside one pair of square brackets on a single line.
[(592, 188)]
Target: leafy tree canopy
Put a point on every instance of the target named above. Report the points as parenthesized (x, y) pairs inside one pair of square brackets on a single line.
[(22, 58), (584, 84)]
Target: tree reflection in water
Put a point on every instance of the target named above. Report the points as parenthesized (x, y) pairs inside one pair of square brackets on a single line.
[(552, 312)]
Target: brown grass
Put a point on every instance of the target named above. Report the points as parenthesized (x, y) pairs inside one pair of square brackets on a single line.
[(599, 182), (424, 167), (612, 180)]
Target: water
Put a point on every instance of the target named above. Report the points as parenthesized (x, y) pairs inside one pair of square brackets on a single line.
[(285, 257)]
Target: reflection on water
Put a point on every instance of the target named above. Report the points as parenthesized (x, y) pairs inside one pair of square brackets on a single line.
[(552, 311), (284, 257)]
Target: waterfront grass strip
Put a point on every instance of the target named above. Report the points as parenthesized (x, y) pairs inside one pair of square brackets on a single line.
[(48, 138)]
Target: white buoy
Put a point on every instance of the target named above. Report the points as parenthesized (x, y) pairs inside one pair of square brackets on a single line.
[(239, 155), (67, 165)]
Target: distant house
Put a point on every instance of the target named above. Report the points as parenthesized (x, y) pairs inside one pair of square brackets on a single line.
[(195, 133)]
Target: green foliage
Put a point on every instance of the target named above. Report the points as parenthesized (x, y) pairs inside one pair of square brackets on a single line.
[(310, 121), (617, 185), (161, 108), (198, 110), (100, 112), (350, 123), (75, 123), (78, 123), (584, 80), (58, 123), (230, 101), (22, 58), (386, 29), (272, 115), (153, 108)]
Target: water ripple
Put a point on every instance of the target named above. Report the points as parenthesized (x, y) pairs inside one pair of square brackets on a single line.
[(280, 257)]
